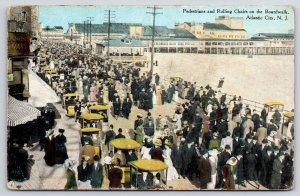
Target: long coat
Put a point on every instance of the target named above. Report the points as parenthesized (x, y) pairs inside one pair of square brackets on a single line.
[(50, 151), (204, 168), (228, 176), (61, 150), (149, 126), (96, 175), (176, 157), (139, 135), (240, 171), (126, 107), (276, 174), (84, 172), (115, 176)]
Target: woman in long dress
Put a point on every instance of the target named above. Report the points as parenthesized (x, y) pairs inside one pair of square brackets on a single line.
[(93, 92), (158, 96), (172, 172)]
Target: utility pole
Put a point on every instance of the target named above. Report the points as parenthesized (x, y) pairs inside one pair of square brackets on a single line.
[(154, 13), (90, 25), (83, 33), (109, 15)]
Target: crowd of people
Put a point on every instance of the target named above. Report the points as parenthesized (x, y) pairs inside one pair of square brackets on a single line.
[(210, 138)]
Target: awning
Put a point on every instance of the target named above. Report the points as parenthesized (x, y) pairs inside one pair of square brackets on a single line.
[(19, 112), (40, 93)]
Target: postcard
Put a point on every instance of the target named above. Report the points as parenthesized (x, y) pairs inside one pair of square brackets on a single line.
[(150, 98)]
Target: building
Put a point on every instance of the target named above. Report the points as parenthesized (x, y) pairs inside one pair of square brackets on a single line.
[(22, 28), (123, 50), (223, 28), (54, 33)]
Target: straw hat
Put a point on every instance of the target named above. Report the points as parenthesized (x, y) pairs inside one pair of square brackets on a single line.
[(168, 143), (86, 158), (157, 142), (232, 161)]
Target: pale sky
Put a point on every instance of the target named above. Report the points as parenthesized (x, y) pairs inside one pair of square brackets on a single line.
[(62, 15)]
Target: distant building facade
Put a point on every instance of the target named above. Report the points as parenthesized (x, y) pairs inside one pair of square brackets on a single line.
[(223, 28), (53, 33)]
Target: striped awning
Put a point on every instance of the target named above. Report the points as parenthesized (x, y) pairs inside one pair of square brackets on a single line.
[(19, 112)]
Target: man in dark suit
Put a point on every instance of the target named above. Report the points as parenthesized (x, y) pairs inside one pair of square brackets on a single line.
[(96, 173), (120, 135), (109, 135)]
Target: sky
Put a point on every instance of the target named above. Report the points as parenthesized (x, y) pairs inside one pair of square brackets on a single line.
[(268, 23)]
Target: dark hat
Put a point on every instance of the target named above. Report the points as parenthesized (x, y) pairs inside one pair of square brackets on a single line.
[(96, 158), (265, 141), (283, 149), (276, 148), (148, 114), (227, 147), (268, 148), (242, 143), (61, 130), (120, 130)]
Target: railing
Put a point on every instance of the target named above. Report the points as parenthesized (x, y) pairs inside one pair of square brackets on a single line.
[(129, 58)]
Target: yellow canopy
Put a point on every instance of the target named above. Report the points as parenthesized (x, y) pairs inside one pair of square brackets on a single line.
[(272, 103), (98, 107), (125, 144), (90, 130), (91, 116), (71, 95), (149, 165), (289, 114), (47, 69), (54, 75)]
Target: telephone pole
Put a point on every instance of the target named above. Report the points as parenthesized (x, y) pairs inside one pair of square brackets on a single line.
[(90, 29), (154, 13), (109, 15)]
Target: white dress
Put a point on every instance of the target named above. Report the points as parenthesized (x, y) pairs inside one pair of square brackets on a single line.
[(145, 153), (154, 98), (172, 173), (175, 97)]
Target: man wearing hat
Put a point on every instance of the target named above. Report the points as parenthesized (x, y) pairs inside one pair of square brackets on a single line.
[(205, 170), (61, 150), (277, 171), (139, 121), (240, 170), (120, 135), (96, 173), (149, 125), (266, 166), (83, 169), (116, 105)]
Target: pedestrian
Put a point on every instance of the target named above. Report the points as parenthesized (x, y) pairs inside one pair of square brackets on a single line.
[(71, 178), (277, 171), (96, 173), (60, 145), (229, 175), (204, 168), (84, 169), (126, 106), (120, 135), (50, 149), (115, 175), (149, 125)]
